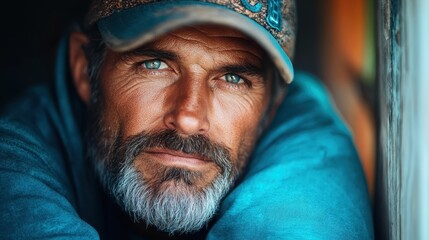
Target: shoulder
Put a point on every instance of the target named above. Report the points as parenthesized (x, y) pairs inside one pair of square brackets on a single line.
[(28, 133), (36, 188)]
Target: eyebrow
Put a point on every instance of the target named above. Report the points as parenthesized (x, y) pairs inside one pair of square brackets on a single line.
[(161, 54), (248, 69)]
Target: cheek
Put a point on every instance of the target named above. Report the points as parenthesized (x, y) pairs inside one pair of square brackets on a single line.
[(237, 121), (132, 106)]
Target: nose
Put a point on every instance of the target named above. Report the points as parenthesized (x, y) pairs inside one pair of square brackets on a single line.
[(188, 112)]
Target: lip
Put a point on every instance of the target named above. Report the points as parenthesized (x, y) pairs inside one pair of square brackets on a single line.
[(175, 158)]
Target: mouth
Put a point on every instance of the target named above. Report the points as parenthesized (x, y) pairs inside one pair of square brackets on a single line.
[(177, 159)]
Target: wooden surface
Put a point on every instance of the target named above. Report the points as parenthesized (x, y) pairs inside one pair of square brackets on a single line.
[(388, 202), (402, 201)]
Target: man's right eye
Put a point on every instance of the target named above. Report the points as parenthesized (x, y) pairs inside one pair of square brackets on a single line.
[(155, 64)]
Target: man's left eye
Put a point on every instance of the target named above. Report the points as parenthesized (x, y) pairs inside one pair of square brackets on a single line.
[(232, 78), (154, 64)]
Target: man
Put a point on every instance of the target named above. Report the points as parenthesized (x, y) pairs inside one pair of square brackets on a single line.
[(167, 99)]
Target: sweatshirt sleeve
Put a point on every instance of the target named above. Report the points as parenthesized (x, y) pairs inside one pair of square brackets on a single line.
[(37, 200), (304, 180)]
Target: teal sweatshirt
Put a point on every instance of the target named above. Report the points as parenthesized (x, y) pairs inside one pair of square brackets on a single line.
[(304, 179)]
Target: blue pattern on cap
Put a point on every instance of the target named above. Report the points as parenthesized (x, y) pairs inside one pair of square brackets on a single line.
[(253, 8), (274, 14)]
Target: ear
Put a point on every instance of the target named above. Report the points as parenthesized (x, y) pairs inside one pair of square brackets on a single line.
[(79, 65)]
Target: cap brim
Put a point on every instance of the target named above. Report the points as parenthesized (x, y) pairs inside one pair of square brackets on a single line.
[(131, 28)]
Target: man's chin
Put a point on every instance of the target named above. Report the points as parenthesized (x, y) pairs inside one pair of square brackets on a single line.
[(175, 201), (178, 180)]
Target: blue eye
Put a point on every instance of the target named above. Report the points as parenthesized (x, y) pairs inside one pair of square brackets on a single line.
[(233, 78), (154, 64)]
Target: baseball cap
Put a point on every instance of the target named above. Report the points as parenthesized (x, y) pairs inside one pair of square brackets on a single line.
[(128, 24)]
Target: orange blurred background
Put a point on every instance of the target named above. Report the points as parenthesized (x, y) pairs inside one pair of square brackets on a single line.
[(348, 64)]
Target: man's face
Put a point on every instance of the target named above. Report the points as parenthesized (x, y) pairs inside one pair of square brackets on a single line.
[(172, 124)]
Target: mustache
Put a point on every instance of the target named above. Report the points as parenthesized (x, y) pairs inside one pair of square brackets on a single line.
[(198, 145)]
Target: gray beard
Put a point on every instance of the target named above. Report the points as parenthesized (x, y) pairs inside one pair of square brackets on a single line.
[(173, 203), (172, 210)]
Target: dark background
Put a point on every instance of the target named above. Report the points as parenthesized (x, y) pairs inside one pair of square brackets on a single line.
[(31, 31)]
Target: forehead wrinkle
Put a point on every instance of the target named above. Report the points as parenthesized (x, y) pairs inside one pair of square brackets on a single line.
[(231, 51), (209, 35), (218, 28), (226, 33), (203, 39), (189, 39)]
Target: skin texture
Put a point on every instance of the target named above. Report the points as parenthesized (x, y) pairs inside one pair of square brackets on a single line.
[(206, 81)]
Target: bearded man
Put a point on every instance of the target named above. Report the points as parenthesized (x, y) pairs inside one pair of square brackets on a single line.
[(166, 102)]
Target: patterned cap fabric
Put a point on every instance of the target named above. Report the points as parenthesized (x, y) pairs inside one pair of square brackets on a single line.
[(276, 16)]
